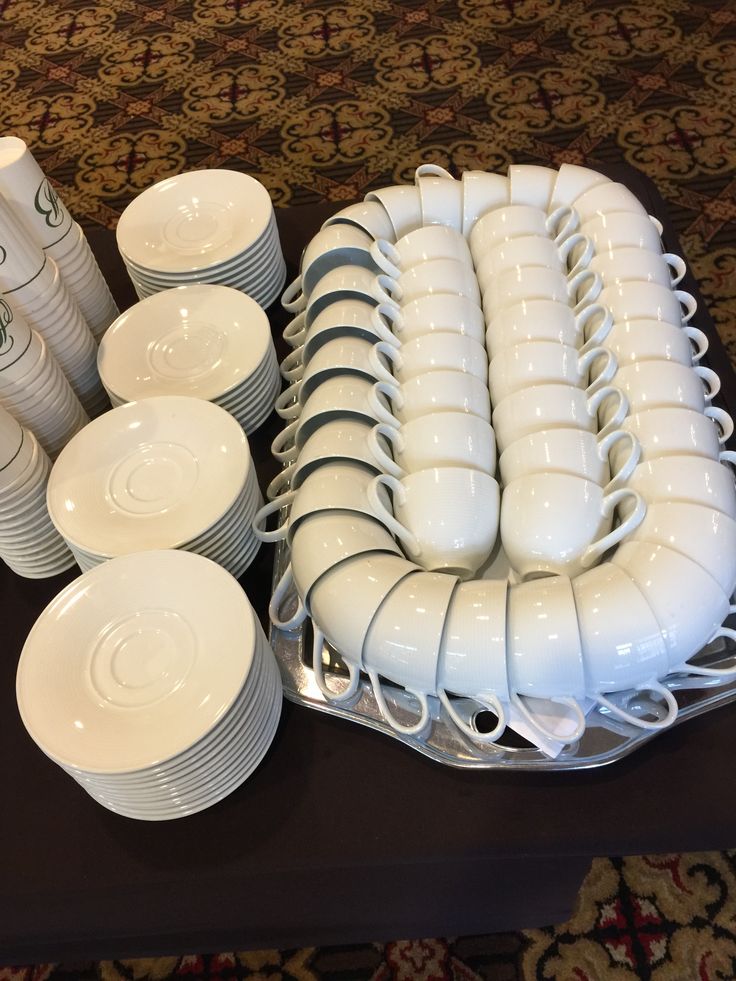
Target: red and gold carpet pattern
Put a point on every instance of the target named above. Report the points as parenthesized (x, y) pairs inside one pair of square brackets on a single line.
[(323, 101)]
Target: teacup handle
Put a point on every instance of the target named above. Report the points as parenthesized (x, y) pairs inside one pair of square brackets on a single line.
[(292, 367), (699, 340), (727, 456), (385, 289), (411, 730), (602, 330), (657, 224), (723, 420), (592, 292), (385, 516), (517, 701), (284, 404), (278, 447), (710, 379), (280, 482), (657, 688), (569, 219), (384, 461), (319, 674), (283, 586), (379, 369), (431, 170), (610, 501), (386, 256), (565, 248), (604, 448), (585, 360), (296, 330), (688, 301), (379, 411), (677, 266), (490, 702), (390, 312), (594, 403), (293, 298), (263, 514), (714, 672)]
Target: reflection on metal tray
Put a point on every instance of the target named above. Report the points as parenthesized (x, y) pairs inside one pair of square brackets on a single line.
[(605, 740)]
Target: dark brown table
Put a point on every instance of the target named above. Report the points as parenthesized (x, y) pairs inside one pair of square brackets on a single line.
[(342, 835)]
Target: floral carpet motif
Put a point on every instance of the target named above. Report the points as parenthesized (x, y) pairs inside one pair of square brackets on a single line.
[(324, 100)]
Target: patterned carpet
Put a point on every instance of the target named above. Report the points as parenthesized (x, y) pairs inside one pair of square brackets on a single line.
[(323, 101)]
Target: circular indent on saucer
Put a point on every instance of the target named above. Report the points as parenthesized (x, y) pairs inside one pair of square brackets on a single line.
[(204, 340), (194, 221), (153, 478), (143, 657), (157, 473), (135, 661)]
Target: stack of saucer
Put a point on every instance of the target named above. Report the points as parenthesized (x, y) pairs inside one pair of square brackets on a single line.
[(165, 472), (33, 387), (210, 342), (29, 543), (150, 681), (205, 226)]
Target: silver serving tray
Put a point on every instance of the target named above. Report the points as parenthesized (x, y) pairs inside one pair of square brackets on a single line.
[(605, 740)]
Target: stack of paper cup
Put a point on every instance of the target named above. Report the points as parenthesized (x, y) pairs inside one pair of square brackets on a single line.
[(47, 221), (33, 387), (29, 543), (31, 285)]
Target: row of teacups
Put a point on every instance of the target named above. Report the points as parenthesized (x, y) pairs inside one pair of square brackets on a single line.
[(163, 472), (33, 387), (42, 212), (205, 341), (29, 543), (204, 226)]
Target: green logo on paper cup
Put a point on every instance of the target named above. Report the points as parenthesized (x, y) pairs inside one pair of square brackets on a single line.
[(6, 319), (47, 203), (3, 255)]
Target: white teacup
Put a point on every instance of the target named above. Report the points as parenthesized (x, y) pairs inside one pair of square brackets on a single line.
[(422, 245), (439, 312), (557, 524), (647, 301), (572, 451), (435, 391), (572, 181), (663, 384), (541, 283), (347, 318), (532, 250), (339, 441), (669, 582), (402, 205), (685, 479), (633, 265), (543, 650), (341, 356), (482, 192), (441, 196), (371, 216), (367, 578), (434, 276), (440, 439), (445, 517), (547, 320), (516, 220), (605, 198), (531, 184), (553, 407), (337, 245), (633, 341), (547, 362), (622, 230), (623, 645), (430, 352), (341, 283), (403, 642), (704, 535), (676, 432)]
